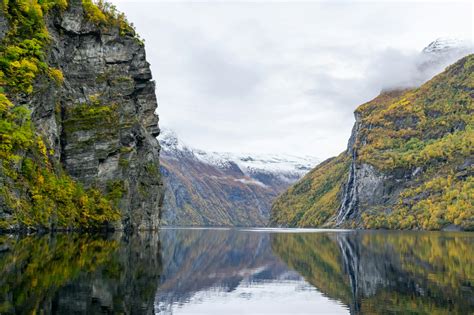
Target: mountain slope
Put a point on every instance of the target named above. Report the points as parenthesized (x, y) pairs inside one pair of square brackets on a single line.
[(222, 189), (315, 198), (411, 161)]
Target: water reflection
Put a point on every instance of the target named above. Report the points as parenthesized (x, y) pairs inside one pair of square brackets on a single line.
[(232, 272), (211, 271), (255, 272), (80, 274), (386, 272)]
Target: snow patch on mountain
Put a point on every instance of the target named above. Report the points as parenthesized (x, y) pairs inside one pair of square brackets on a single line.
[(287, 166), (444, 45), (439, 54)]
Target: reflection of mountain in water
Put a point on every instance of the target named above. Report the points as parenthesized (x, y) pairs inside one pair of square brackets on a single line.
[(79, 274), (196, 260), (379, 273), (224, 271)]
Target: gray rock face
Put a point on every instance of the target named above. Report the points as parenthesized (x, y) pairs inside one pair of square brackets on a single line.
[(3, 26), (367, 187), (100, 121)]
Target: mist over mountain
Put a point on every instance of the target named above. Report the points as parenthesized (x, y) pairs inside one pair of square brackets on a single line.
[(392, 69), (408, 163)]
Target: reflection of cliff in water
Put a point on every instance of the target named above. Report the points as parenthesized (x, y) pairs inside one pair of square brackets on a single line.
[(70, 273), (386, 272), (197, 260)]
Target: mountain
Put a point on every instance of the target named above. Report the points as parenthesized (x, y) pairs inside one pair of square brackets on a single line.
[(447, 46), (223, 189), (439, 54), (77, 124), (409, 163)]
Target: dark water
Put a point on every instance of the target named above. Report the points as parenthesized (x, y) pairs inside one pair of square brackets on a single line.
[(212, 271)]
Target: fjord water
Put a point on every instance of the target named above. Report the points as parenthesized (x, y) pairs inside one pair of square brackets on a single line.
[(239, 271)]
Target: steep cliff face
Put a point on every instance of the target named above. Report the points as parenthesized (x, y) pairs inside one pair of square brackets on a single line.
[(365, 184), (412, 155), (99, 122), (102, 67), (411, 164)]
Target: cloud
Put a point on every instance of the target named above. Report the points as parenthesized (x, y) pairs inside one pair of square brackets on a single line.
[(284, 77)]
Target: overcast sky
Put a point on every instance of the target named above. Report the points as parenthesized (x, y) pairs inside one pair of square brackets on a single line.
[(282, 77)]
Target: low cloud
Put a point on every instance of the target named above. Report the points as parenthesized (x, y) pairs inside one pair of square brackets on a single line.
[(274, 77)]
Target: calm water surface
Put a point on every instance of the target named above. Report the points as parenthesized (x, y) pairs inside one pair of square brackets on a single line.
[(247, 271)]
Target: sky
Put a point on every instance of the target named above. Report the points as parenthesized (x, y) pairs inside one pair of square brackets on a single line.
[(282, 77)]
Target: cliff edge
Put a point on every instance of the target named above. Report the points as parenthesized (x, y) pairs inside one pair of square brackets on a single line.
[(79, 74)]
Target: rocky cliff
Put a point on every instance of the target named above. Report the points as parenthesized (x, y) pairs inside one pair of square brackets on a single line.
[(91, 102), (408, 164), (222, 189)]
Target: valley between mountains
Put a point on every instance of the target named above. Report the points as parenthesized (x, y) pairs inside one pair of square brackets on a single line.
[(223, 189), (408, 165)]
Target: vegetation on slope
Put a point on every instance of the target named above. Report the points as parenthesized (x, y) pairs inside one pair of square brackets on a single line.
[(429, 129), (105, 14), (202, 195), (32, 183), (427, 135), (314, 199)]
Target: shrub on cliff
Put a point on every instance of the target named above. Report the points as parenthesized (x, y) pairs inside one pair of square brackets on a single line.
[(35, 192)]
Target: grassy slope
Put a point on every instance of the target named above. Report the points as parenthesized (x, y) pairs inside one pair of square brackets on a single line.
[(431, 129), (314, 198)]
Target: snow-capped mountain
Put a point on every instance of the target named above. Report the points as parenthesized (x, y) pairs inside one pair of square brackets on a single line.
[(447, 45), (414, 68), (216, 188), (288, 167), (439, 54)]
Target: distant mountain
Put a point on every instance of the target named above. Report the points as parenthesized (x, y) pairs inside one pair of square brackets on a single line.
[(408, 70), (223, 189), (439, 54), (444, 45)]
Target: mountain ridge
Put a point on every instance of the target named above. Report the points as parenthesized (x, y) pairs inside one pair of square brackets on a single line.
[(212, 188)]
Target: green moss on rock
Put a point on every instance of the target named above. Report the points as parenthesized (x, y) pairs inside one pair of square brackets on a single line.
[(35, 192)]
